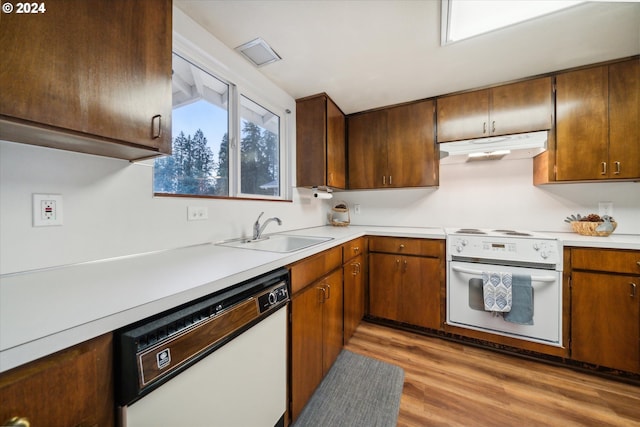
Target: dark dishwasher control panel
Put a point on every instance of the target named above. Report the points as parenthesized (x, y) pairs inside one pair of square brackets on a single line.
[(273, 297)]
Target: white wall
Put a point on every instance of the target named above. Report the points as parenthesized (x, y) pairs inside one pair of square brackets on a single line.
[(495, 194)]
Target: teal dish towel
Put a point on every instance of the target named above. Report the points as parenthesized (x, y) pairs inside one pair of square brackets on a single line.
[(521, 301)]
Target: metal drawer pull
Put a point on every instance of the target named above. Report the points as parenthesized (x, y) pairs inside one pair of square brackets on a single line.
[(401, 246), (549, 279), (604, 168), (617, 172), (484, 127), (356, 249), (493, 126), (17, 422), (633, 290)]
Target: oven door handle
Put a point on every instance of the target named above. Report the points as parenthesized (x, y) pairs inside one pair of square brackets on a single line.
[(549, 279)]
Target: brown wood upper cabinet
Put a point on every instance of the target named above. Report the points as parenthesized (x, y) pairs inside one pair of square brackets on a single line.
[(598, 123), (393, 147), (605, 308), (320, 147), (93, 77), (514, 108)]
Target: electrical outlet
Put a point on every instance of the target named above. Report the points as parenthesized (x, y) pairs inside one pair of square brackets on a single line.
[(197, 213), (47, 210), (605, 208), (357, 209)]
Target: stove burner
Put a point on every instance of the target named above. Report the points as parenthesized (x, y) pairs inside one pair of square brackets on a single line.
[(516, 233), (470, 231)]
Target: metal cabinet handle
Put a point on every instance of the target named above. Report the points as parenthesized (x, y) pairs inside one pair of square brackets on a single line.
[(406, 264), (633, 289), (618, 169), (356, 249), (384, 180), (390, 180), (493, 126), (322, 295), (356, 268), (484, 127), (328, 287), (397, 263), (604, 168), (17, 422), (156, 126)]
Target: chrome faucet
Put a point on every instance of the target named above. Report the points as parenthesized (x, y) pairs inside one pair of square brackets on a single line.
[(258, 229)]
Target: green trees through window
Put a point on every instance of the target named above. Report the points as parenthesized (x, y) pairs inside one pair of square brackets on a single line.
[(204, 162)]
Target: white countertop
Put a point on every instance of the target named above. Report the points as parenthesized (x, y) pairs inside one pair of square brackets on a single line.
[(47, 310)]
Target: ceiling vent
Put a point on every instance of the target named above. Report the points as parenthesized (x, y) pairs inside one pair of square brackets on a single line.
[(258, 52)]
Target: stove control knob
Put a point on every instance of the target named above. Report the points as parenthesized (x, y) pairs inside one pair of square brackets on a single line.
[(459, 248), (543, 254), (536, 246), (464, 243)]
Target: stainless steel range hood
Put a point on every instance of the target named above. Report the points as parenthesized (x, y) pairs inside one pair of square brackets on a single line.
[(520, 146)]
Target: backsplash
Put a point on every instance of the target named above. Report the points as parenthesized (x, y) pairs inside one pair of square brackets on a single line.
[(495, 194)]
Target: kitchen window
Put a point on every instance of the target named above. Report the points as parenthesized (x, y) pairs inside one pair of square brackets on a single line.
[(224, 143)]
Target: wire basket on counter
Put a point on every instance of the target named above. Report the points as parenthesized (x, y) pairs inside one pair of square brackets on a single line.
[(340, 216), (588, 228)]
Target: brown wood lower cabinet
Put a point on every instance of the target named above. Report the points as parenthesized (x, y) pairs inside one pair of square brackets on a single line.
[(316, 336), (353, 295), (73, 387), (605, 308), (405, 280)]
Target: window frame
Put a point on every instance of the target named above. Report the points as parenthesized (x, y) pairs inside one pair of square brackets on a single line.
[(237, 89)]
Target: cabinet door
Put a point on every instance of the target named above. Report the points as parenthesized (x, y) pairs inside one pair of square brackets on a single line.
[(70, 388), (411, 146), (311, 134), (306, 346), (320, 133), (101, 68), (353, 296), (420, 292), (624, 119), (463, 116), (367, 136), (605, 320), (336, 150), (582, 124), (332, 319), (385, 279), (521, 107)]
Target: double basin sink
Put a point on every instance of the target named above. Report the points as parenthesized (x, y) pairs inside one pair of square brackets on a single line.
[(281, 243)]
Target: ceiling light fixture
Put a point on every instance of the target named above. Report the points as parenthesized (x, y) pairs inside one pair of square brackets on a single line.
[(258, 52)]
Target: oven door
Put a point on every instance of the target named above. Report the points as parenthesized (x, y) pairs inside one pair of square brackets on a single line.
[(465, 302)]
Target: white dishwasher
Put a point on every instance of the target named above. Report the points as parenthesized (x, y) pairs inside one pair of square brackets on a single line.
[(219, 361)]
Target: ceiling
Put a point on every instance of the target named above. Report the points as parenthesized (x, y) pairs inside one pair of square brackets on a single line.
[(373, 53)]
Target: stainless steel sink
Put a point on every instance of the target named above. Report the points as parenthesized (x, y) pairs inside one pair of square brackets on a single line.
[(277, 243)]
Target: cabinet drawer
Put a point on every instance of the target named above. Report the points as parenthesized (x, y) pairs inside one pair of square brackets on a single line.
[(352, 249), (407, 246), (310, 269), (616, 261)]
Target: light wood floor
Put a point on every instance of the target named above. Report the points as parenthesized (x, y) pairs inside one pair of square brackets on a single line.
[(450, 384)]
